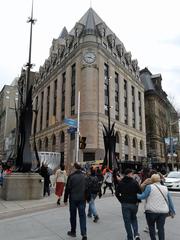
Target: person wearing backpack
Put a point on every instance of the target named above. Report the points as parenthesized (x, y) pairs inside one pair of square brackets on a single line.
[(94, 187)]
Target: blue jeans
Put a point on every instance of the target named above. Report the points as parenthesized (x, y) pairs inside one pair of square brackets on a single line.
[(129, 212), (159, 220), (73, 207), (92, 208)]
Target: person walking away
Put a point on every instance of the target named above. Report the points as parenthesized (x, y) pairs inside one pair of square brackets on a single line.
[(100, 178), (76, 191), (45, 174), (94, 187), (108, 181), (157, 205), (60, 181), (126, 193)]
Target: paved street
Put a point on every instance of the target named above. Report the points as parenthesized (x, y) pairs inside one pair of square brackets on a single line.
[(53, 224)]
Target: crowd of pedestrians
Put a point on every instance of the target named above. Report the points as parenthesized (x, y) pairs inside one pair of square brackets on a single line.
[(83, 185)]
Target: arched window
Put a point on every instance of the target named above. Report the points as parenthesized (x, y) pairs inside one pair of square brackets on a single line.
[(62, 137), (141, 145), (126, 141), (134, 143), (53, 143), (46, 144), (117, 138)]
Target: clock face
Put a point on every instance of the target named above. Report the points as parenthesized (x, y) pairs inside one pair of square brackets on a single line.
[(89, 57)]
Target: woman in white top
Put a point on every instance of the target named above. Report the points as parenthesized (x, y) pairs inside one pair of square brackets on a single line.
[(157, 206), (60, 181)]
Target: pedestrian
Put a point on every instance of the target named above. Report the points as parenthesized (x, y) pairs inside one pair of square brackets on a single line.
[(60, 181), (46, 175), (126, 193), (76, 191), (100, 178), (94, 187), (108, 181), (157, 206), (116, 177)]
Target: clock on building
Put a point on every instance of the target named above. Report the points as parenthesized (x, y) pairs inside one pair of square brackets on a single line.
[(89, 57)]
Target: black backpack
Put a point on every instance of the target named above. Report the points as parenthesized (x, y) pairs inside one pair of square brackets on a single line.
[(94, 184)]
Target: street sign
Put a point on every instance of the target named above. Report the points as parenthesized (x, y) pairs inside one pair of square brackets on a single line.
[(71, 130), (70, 122)]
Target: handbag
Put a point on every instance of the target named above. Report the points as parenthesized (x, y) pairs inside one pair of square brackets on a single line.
[(169, 214)]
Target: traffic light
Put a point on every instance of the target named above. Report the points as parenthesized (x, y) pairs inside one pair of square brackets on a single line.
[(82, 142)]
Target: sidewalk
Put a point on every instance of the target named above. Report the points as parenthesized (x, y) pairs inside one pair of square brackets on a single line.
[(15, 208)]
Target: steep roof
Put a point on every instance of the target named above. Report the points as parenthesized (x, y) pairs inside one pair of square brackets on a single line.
[(146, 78), (63, 33), (90, 19)]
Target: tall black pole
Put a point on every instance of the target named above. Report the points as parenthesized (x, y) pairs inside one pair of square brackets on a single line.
[(29, 65), (24, 158)]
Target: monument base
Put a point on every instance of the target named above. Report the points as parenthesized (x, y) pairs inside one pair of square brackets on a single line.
[(22, 186)]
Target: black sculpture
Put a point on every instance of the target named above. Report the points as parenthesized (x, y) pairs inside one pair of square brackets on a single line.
[(110, 146), (24, 116)]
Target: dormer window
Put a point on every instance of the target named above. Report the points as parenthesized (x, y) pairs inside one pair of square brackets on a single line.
[(104, 32), (76, 32), (67, 42), (114, 43)]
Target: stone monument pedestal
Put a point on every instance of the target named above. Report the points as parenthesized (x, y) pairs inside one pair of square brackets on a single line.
[(22, 186)]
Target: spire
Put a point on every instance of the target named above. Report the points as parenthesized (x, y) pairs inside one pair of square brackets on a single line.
[(90, 22), (90, 19), (63, 33)]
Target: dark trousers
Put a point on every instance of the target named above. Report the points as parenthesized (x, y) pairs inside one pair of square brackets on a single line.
[(73, 207), (109, 185), (159, 220), (46, 189), (129, 212)]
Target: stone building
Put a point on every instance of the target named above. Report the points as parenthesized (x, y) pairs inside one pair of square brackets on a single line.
[(87, 59), (161, 121), (8, 99)]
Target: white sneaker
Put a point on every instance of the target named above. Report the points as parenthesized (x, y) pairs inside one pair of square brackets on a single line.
[(137, 237), (146, 229)]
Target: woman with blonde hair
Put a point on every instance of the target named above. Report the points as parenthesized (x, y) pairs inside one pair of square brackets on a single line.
[(60, 181), (157, 206)]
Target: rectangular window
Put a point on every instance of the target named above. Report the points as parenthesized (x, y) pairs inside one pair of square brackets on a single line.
[(55, 98), (125, 102), (41, 116), (48, 103), (140, 111), (73, 88), (106, 89), (116, 96), (88, 156), (63, 95)]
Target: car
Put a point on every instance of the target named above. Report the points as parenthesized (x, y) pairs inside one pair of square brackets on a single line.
[(172, 180)]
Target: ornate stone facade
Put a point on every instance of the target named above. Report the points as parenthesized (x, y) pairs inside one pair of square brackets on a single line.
[(161, 119), (86, 59)]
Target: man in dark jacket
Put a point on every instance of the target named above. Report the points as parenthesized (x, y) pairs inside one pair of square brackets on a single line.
[(126, 193), (76, 190)]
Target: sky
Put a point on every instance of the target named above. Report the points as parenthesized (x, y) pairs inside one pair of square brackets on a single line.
[(148, 28)]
